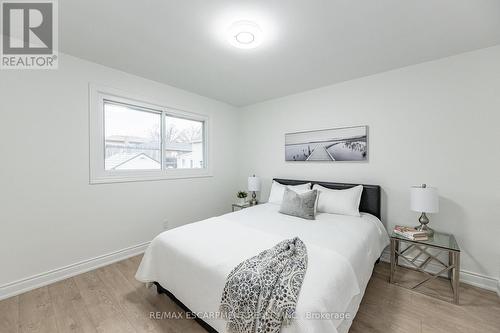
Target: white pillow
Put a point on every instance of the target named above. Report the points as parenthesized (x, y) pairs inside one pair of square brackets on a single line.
[(278, 190), (343, 202)]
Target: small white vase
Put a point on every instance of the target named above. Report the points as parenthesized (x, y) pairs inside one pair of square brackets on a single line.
[(241, 201)]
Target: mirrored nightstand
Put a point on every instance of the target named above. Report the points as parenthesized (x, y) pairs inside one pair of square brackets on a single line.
[(237, 206)]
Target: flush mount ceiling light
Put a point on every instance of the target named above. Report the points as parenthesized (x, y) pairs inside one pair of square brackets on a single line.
[(244, 35)]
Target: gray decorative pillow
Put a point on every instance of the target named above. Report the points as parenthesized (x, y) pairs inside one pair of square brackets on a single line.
[(300, 205)]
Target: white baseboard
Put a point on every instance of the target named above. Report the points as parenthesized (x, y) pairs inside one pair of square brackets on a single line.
[(474, 279), (58, 274)]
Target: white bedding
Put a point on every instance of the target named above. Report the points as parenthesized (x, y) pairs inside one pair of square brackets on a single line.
[(194, 260)]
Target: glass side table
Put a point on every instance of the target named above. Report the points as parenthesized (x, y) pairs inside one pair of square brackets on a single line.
[(237, 206), (438, 243)]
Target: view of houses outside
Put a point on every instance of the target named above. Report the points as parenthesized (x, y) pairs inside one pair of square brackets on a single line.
[(133, 140)]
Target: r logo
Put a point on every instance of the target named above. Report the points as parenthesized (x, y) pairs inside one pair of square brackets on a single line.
[(29, 38), (27, 28)]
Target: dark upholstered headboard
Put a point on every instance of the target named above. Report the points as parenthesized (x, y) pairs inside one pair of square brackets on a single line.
[(370, 199)]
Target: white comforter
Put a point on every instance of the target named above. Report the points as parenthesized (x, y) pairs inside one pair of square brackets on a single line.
[(194, 260)]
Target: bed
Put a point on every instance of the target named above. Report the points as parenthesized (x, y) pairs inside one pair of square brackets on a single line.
[(191, 263)]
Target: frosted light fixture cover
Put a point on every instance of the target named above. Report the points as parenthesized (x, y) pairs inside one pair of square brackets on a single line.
[(424, 199), (244, 35), (254, 184)]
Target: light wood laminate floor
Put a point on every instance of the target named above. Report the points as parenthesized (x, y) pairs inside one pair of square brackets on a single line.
[(109, 299)]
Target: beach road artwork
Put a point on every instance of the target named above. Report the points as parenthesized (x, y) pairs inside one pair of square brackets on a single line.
[(337, 144)]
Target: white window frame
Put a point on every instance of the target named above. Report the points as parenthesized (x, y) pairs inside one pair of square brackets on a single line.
[(98, 173)]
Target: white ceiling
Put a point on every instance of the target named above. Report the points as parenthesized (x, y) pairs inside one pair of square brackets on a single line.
[(311, 43)]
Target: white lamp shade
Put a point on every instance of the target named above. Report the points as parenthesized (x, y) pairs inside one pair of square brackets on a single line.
[(424, 199), (254, 184)]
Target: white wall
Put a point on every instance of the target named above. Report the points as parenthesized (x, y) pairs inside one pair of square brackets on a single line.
[(50, 216), (436, 122)]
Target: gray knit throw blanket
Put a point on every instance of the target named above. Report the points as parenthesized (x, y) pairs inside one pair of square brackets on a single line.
[(261, 293)]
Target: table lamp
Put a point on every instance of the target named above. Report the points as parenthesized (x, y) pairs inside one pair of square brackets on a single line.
[(424, 200), (253, 186)]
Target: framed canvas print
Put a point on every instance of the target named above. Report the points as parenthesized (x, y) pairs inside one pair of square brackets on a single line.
[(336, 144)]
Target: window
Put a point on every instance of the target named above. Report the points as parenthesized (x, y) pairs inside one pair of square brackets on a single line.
[(131, 140), (183, 143)]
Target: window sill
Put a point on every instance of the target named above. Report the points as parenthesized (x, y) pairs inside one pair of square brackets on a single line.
[(109, 179)]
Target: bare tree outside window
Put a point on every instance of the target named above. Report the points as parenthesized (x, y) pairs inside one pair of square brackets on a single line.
[(183, 143)]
